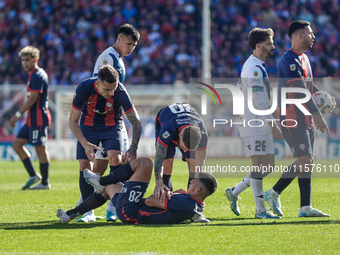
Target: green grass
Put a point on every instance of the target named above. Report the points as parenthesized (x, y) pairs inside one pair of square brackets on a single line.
[(28, 222)]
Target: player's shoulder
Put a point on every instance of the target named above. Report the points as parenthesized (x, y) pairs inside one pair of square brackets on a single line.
[(39, 73), (87, 83), (289, 57), (109, 54), (121, 87), (253, 68)]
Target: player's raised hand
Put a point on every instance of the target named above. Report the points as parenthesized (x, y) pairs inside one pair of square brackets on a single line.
[(320, 123), (161, 191), (90, 151)]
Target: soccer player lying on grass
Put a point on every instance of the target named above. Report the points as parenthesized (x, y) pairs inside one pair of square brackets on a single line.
[(128, 198)]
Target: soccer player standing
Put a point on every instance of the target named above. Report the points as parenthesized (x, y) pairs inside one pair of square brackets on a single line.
[(128, 37), (99, 102), (295, 71), (38, 119), (258, 141)]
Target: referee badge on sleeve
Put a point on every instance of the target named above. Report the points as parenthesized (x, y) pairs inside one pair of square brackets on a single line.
[(292, 67)]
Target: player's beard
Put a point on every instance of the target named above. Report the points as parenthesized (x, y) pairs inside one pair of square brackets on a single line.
[(308, 44), (268, 53)]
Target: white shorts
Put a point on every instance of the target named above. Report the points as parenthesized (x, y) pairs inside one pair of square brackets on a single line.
[(258, 145), (99, 154)]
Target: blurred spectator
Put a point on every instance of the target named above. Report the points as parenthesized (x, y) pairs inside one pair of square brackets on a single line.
[(71, 35)]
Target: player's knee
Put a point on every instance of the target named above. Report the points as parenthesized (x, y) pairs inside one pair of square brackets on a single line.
[(84, 165), (304, 161), (146, 164), (115, 160), (17, 145)]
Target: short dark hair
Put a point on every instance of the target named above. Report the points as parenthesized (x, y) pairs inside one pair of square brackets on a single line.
[(108, 73), (191, 137), (259, 35), (297, 25), (209, 181), (128, 29)]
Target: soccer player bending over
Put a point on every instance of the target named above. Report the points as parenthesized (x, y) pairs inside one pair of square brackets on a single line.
[(178, 125), (132, 208)]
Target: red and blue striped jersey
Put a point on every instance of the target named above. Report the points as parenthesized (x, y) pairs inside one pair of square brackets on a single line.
[(295, 71), (39, 114), (97, 110)]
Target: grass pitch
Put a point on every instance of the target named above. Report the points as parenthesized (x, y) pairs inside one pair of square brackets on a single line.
[(28, 222)]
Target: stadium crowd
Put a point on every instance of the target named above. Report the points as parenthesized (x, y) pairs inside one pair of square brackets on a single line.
[(71, 35)]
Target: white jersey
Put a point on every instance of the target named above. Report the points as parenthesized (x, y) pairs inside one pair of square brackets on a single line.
[(254, 76), (110, 57)]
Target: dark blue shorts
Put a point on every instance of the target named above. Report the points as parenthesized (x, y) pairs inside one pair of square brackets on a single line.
[(111, 138), (34, 135), (301, 141), (129, 200)]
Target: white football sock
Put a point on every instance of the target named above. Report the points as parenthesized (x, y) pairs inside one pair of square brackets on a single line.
[(110, 206), (257, 188), (241, 186)]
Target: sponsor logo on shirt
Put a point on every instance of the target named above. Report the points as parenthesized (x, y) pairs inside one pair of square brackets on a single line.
[(109, 104)]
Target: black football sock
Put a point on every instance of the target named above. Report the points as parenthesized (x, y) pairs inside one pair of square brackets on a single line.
[(29, 166), (167, 181), (44, 172), (286, 178), (191, 177), (123, 173), (114, 168), (94, 201), (86, 189), (305, 185)]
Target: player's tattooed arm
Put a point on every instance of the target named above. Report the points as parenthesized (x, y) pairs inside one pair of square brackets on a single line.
[(161, 151), (134, 119), (161, 191)]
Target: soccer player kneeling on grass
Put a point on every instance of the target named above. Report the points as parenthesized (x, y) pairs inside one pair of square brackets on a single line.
[(132, 207)]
